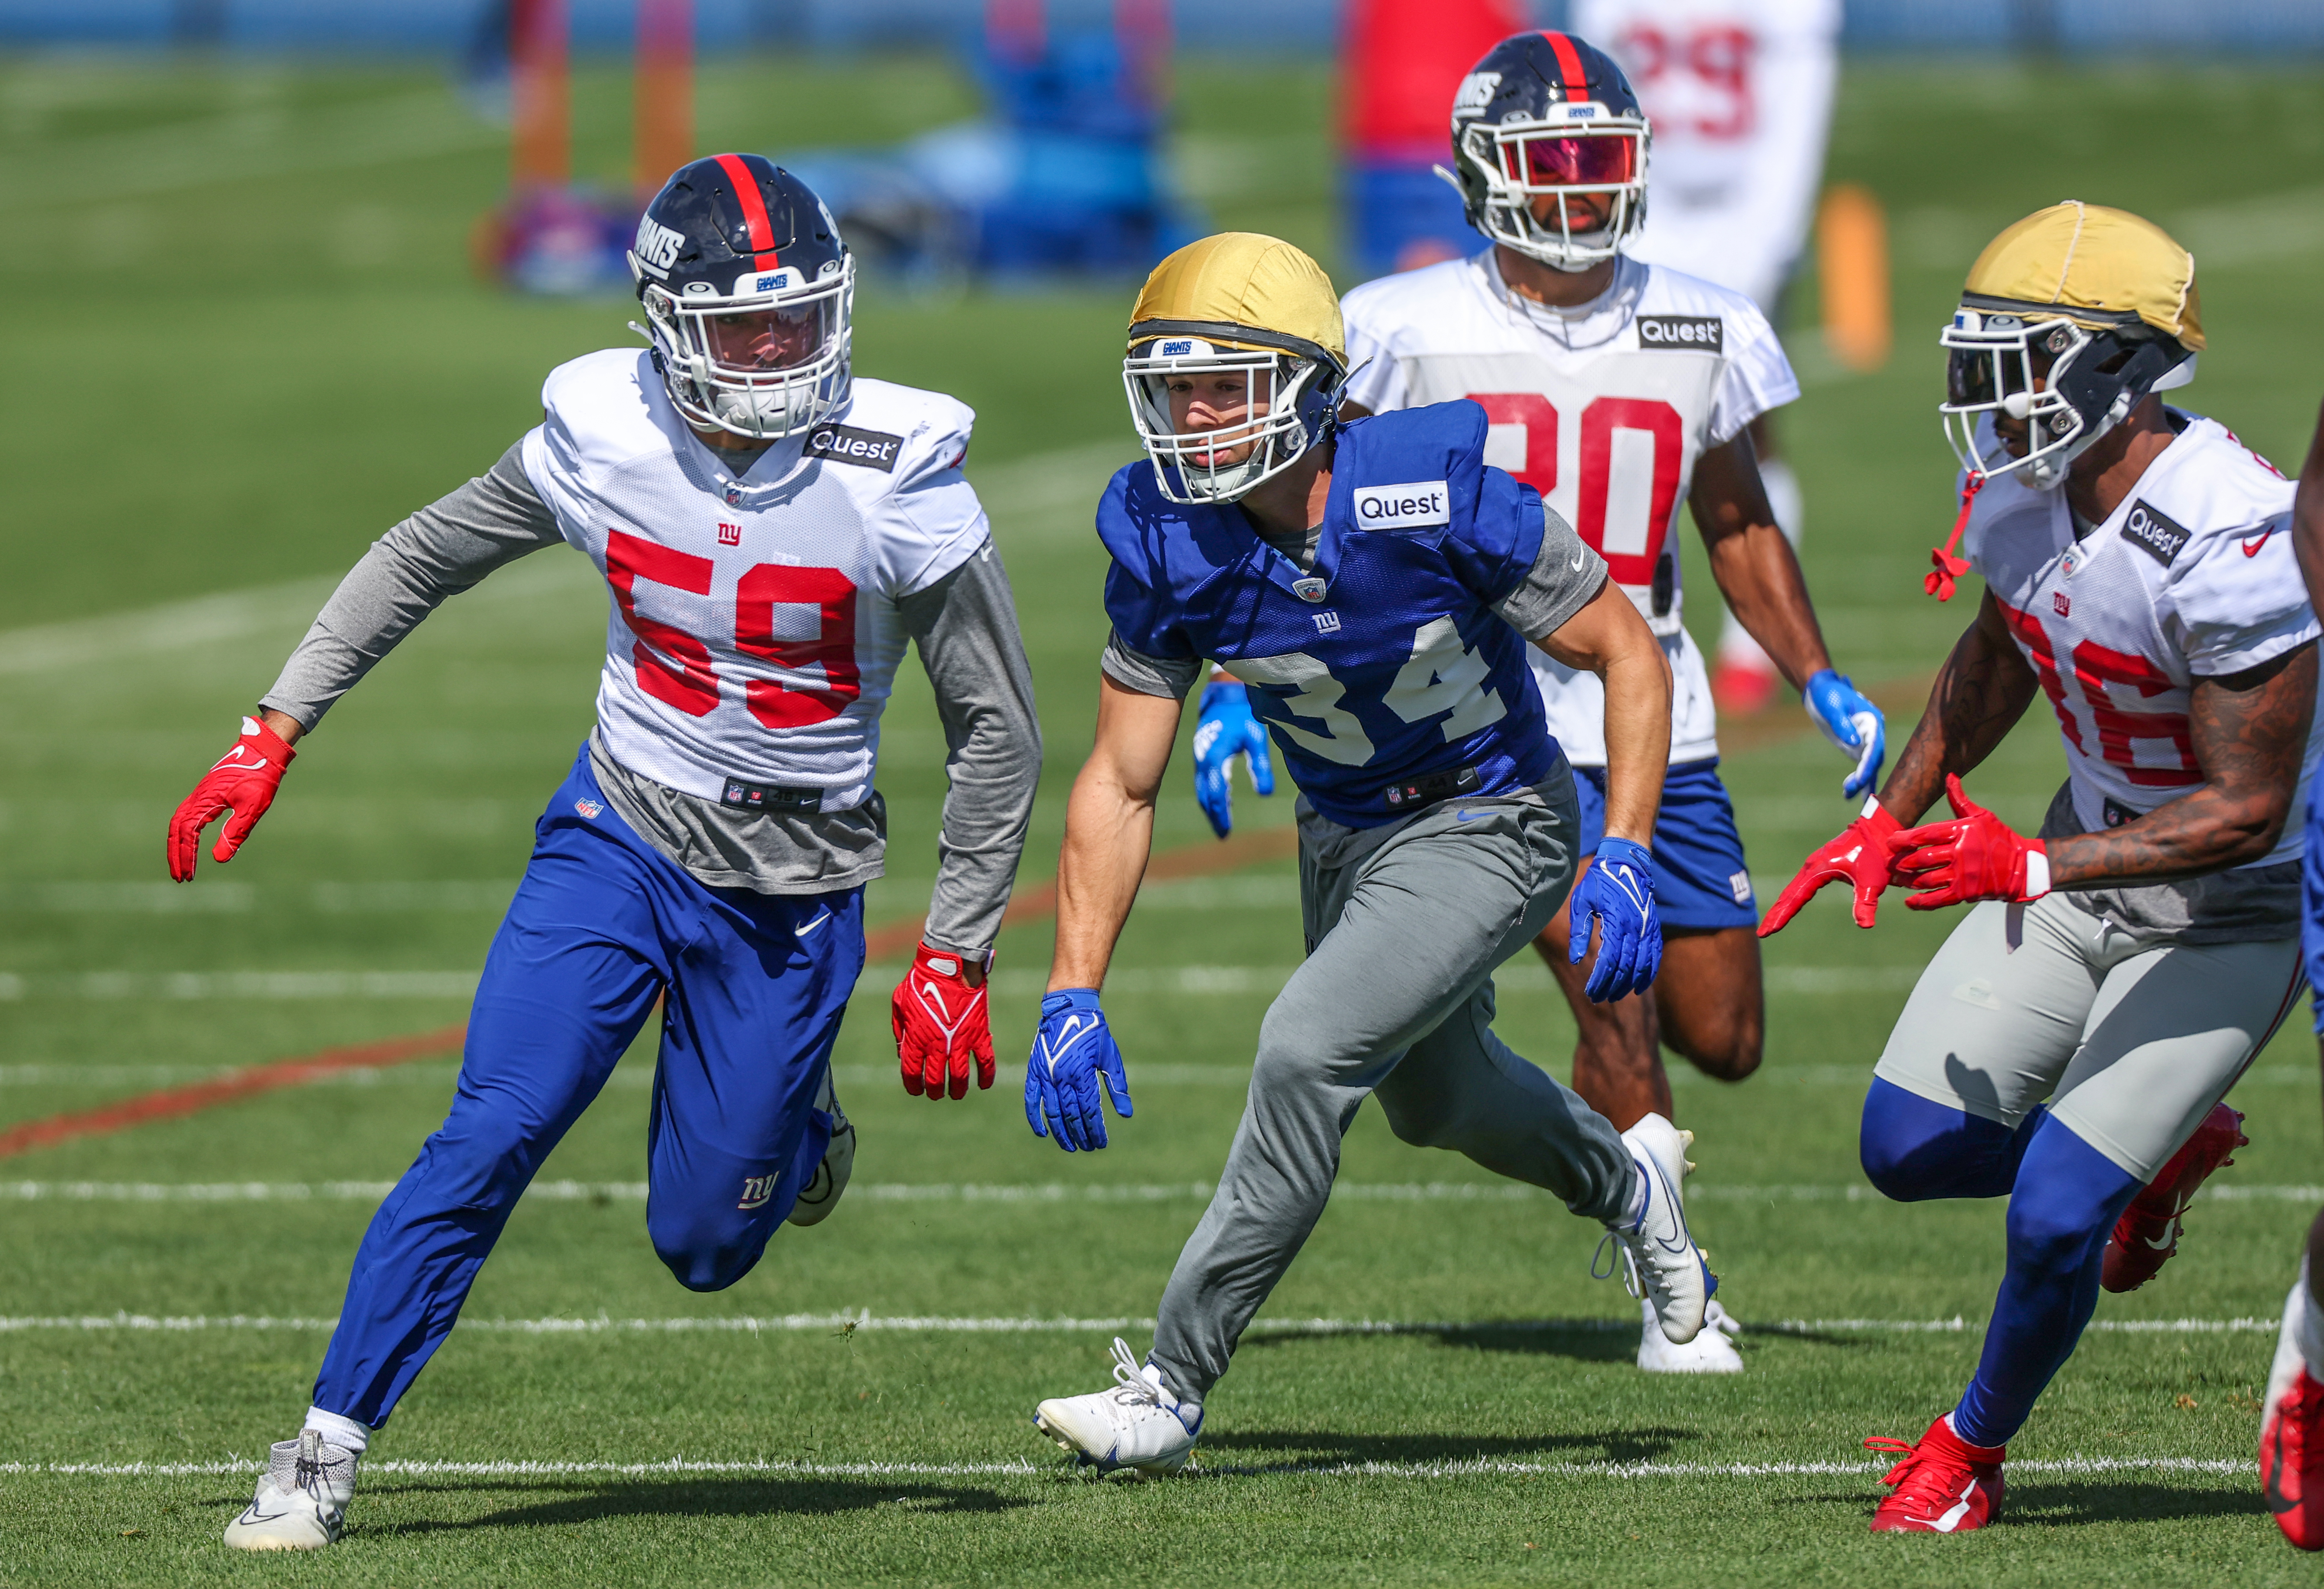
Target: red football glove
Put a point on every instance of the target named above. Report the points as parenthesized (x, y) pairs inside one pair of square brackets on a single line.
[(940, 1020), (1859, 858), (1975, 856), (243, 781)]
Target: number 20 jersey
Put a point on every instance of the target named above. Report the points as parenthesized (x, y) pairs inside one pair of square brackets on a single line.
[(1385, 663), (1603, 410), (2192, 575), (753, 635)]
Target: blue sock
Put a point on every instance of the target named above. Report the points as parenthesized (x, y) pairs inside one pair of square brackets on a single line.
[(1913, 1150), (2067, 1198)]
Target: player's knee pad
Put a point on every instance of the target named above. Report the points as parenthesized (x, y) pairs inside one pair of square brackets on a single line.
[(1914, 1149), (709, 1250)]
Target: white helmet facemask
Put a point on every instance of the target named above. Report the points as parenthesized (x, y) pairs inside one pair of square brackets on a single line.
[(769, 358), (1290, 404), (1576, 149), (2071, 386)]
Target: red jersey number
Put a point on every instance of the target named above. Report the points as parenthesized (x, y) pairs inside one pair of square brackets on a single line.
[(675, 668), (1706, 72), (2096, 669), (1632, 562)]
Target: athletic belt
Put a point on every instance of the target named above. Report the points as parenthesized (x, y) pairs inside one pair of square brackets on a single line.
[(767, 796), (1437, 786)]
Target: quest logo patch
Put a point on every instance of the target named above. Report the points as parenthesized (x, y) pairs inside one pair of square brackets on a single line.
[(2155, 533), (866, 450), (1414, 504), (1686, 333)]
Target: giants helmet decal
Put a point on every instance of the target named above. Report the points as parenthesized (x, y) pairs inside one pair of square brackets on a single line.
[(1541, 119), (747, 288)]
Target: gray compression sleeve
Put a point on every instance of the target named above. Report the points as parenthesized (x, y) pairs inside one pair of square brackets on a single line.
[(965, 626), (438, 551), (1561, 582)]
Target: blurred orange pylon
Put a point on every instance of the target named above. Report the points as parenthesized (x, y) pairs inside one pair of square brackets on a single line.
[(1852, 260)]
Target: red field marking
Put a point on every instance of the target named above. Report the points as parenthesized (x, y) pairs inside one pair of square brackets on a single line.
[(171, 1103), (893, 941)]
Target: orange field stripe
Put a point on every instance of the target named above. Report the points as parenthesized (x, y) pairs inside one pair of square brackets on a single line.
[(892, 940)]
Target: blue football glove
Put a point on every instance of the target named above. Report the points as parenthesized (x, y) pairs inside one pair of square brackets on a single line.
[(1224, 730), (1853, 724), (1618, 891), (1072, 1051)]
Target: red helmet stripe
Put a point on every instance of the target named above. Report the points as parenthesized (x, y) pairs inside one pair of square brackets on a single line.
[(754, 210), (1568, 66)]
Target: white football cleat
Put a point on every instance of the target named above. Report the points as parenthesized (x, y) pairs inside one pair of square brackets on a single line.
[(1710, 1352), (1138, 1425), (302, 1497), (1658, 1260), (821, 1195)]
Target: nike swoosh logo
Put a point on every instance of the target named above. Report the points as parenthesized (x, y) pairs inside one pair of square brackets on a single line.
[(2251, 548), (1465, 814), (231, 765), (811, 926), (1580, 555)]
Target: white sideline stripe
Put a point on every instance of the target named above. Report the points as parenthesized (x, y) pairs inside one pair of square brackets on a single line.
[(572, 1191), (1454, 1468), (915, 1324)]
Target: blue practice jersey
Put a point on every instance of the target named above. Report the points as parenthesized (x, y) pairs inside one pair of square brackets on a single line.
[(1385, 675)]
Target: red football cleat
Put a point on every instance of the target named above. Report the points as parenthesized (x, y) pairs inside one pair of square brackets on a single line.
[(1943, 1485), (1740, 687), (2291, 1438), (2147, 1233)]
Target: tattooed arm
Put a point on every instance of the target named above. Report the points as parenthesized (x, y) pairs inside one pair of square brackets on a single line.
[(1979, 693), (2250, 730)]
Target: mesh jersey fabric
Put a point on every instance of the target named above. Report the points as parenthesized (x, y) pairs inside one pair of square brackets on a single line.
[(753, 635), (1386, 664), (1603, 410), (2192, 575)]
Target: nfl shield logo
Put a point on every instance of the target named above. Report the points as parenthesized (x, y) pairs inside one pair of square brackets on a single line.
[(733, 496), (1308, 589)]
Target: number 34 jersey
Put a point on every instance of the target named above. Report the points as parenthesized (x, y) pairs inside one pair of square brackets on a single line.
[(2191, 575), (753, 633), (1603, 410), (1387, 677)]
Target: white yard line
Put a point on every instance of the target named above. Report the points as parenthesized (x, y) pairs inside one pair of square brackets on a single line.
[(969, 1324), (1455, 1468)]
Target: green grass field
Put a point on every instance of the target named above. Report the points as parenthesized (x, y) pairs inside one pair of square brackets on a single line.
[(246, 342)]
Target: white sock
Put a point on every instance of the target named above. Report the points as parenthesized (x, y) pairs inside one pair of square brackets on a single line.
[(1637, 1209), (2308, 1329), (343, 1432)]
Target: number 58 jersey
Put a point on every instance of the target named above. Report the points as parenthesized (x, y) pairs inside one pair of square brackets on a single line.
[(1603, 410), (2191, 575), (753, 635)]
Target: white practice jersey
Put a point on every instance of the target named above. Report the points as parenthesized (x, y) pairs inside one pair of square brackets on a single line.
[(1603, 410), (2192, 577), (1739, 95), (753, 635)]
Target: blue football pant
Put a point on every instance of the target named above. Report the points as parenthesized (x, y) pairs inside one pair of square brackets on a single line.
[(753, 988)]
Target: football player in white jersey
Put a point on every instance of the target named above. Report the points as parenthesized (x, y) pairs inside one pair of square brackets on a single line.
[(1618, 390), (772, 531), (1739, 93), (2070, 1045)]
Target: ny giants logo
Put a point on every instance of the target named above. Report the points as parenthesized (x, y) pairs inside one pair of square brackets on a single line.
[(2065, 603), (758, 1191), (658, 245), (730, 534)]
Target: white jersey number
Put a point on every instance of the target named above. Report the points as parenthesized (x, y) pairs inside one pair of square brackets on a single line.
[(1443, 676), (1625, 442), (675, 668)]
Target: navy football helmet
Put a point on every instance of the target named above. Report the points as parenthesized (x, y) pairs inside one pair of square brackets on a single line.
[(747, 288), (1548, 116)]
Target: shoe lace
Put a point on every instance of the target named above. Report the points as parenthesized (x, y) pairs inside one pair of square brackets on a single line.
[(1920, 1478), (1131, 1388), (1625, 1263)]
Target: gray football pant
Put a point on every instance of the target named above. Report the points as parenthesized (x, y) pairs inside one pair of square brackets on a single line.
[(1395, 1000), (2130, 1040)]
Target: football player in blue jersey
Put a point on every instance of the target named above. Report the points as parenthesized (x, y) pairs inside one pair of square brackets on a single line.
[(1376, 584)]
